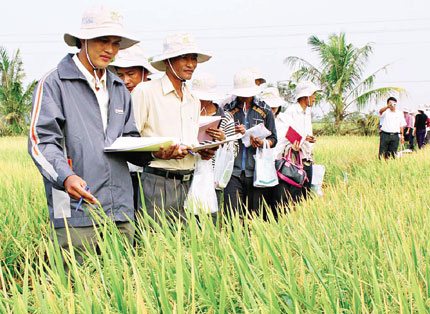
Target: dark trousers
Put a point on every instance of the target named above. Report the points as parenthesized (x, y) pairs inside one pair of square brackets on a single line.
[(240, 195), (421, 134), (285, 194), (409, 137), (389, 143)]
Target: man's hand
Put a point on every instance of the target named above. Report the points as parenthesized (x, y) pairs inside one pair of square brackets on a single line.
[(75, 187), (310, 139), (216, 134), (239, 129), (207, 153), (256, 142), (175, 151)]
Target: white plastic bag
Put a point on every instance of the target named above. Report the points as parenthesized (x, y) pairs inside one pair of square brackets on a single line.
[(201, 196), (265, 172), (224, 163), (318, 172)]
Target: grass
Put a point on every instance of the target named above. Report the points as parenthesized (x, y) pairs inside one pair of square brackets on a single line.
[(361, 248)]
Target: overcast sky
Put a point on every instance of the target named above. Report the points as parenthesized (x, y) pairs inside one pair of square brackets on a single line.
[(241, 34)]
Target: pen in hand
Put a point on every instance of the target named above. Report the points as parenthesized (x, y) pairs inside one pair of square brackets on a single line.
[(81, 199), (191, 152)]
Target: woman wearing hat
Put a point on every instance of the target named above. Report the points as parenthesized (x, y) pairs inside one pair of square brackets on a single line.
[(248, 111), (420, 126), (298, 116), (205, 89)]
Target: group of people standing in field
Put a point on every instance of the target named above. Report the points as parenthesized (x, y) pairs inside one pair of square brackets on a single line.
[(404, 127), (88, 101)]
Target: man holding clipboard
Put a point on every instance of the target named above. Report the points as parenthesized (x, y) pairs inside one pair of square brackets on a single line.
[(299, 138)]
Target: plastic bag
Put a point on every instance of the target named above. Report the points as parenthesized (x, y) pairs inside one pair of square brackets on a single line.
[(224, 163), (202, 196), (318, 172), (265, 172)]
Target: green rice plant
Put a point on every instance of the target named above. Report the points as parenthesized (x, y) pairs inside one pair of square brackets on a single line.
[(361, 248)]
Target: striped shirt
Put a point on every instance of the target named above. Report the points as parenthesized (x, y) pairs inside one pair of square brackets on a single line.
[(227, 126)]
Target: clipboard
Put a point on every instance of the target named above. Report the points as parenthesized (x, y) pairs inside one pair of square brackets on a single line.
[(292, 135)]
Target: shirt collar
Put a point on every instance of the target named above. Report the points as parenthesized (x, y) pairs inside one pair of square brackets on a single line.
[(88, 75), (167, 86), (299, 109)]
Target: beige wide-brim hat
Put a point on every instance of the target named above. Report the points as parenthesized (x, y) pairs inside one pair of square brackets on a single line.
[(176, 45), (258, 75), (100, 21), (132, 57), (244, 84), (271, 97), (204, 87), (306, 89)]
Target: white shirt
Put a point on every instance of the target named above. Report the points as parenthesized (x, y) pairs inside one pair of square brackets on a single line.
[(392, 121), (102, 94), (282, 125), (159, 111), (301, 121)]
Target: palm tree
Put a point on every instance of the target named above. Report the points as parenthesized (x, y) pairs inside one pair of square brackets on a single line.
[(340, 75), (15, 100)]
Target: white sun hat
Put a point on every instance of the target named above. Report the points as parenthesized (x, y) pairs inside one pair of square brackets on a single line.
[(257, 74), (406, 110), (244, 84), (422, 108), (204, 87), (271, 96), (306, 89), (133, 57), (100, 21), (176, 45)]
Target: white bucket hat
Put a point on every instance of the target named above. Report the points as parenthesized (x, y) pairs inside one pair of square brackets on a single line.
[(422, 108), (177, 45), (244, 84), (132, 57), (100, 21), (306, 89), (271, 96), (204, 87), (258, 75)]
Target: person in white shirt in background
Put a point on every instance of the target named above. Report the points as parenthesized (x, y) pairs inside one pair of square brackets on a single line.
[(132, 66), (393, 122), (298, 116)]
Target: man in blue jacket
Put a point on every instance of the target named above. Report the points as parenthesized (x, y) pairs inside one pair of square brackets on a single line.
[(78, 109), (248, 111)]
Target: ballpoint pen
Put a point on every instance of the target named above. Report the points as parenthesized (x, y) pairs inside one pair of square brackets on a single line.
[(81, 199), (191, 152)]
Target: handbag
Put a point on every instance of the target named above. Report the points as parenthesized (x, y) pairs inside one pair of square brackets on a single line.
[(290, 172)]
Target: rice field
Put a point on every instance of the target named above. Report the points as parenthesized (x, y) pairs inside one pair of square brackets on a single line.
[(361, 248)]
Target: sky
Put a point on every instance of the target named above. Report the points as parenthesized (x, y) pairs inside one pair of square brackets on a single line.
[(241, 34)]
